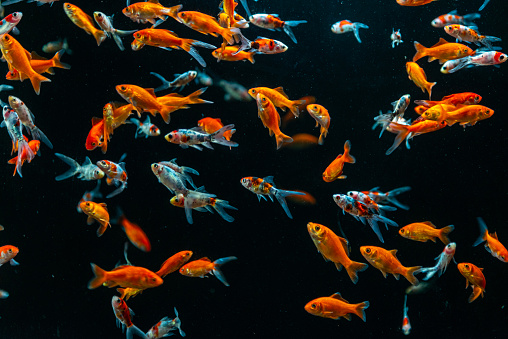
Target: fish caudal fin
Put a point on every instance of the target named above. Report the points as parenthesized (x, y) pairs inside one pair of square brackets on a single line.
[(348, 157), (483, 232), (133, 329), (360, 310), (194, 98), (281, 195), (99, 36), (72, 163), (354, 268), (391, 196), (402, 133), (36, 80), (99, 279), (38, 135), (295, 106), (410, 272), (428, 87), (357, 25), (218, 136), (282, 138), (173, 12), (217, 272), (56, 60), (420, 51), (443, 234), (102, 228), (220, 205), (24, 152), (287, 28), (477, 291)]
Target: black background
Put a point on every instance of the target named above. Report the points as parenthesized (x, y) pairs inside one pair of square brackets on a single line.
[(455, 175)]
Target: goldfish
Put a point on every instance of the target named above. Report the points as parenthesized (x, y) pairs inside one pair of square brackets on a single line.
[(206, 24), (335, 249), (423, 231), (334, 307), (84, 21), (125, 276), (229, 54), (97, 212), (211, 125), (387, 263), (7, 254), (136, 235), (334, 170), (116, 174), (464, 33), (95, 137), (19, 141), (467, 115), (474, 276), (195, 137), (145, 128), (408, 132), (320, 114), (406, 325), (414, 2), (442, 51), (272, 22), (90, 195), (418, 76), (396, 37), (442, 261), (301, 141), (87, 171), (40, 65), (34, 146), (9, 22), (278, 98), (266, 187), (453, 18), (55, 46), (150, 10), (465, 98), (271, 119), (167, 39), (345, 26), (201, 267), (164, 327), (492, 244), (26, 118), (123, 316), (180, 81), (106, 24), (173, 263), (17, 58)]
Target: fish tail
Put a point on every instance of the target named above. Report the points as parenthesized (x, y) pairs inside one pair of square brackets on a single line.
[(443, 234), (296, 104), (178, 324), (391, 196), (133, 329), (375, 227), (99, 36), (468, 18), (104, 225), (487, 40), (288, 31), (56, 60), (281, 195), (428, 87), (229, 34), (192, 51), (24, 152), (420, 51), (355, 267), (483, 232), (99, 279), (282, 138), (173, 12), (246, 7), (357, 25), (118, 41), (36, 80), (165, 112), (410, 272), (477, 291), (194, 98), (251, 57), (220, 205), (197, 43), (72, 163), (39, 135), (348, 157), (217, 272), (360, 310), (218, 136), (402, 133)]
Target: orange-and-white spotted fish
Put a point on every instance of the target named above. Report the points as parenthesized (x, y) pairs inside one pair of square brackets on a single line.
[(345, 26), (123, 316), (464, 33), (164, 327), (272, 22), (453, 18)]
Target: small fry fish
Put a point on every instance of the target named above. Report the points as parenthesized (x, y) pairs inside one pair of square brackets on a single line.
[(474, 276), (423, 231), (334, 307), (97, 212), (334, 170), (201, 267)]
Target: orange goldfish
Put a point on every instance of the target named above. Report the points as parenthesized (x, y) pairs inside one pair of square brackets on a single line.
[(95, 137), (417, 75), (387, 263), (492, 245), (18, 58), (423, 231), (107, 123), (174, 263), (125, 276), (279, 98), (40, 65), (334, 170), (150, 10), (335, 249), (201, 267), (442, 51), (206, 24), (473, 275), (301, 140), (135, 233), (98, 212), (212, 125), (34, 146), (229, 54), (320, 114), (466, 98), (335, 306), (7, 254), (414, 2), (271, 119), (84, 21)]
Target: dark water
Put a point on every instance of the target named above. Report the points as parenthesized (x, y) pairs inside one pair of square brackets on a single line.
[(455, 175)]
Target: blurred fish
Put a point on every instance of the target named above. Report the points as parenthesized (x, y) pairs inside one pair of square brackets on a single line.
[(164, 327), (106, 24), (301, 141), (414, 2), (442, 261), (55, 46), (306, 199), (134, 233), (234, 91), (406, 325), (417, 75), (143, 12), (181, 80), (4, 294)]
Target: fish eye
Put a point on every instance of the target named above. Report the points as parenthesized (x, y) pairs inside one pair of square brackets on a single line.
[(99, 15), (253, 91), (137, 35), (313, 306), (368, 250), (502, 57), (477, 98), (94, 144), (10, 250), (6, 38), (68, 6), (466, 266), (87, 204), (182, 14), (123, 88), (317, 228), (97, 172), (15, 14), (154, 280)]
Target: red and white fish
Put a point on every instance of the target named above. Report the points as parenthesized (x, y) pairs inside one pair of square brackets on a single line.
[(9, 22), (406, 325), (453, 18), (146, 128), (345, 26), (396, 37), (164, 327), (272, 22), (7, 254), (442, 261), (195, 137), (19, 142), (116, 174), (123, 316)]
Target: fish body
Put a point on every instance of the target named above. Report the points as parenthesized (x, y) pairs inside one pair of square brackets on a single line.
[(271, 119), (146, 128), (418, 76), (453, 18), (335, 249), (442, 261), (196, 137), (19, 142), (387, 263), (55, 46), (474, 276), (207, 24), (278, 98), (135, 233), (143, 12), (34, 146), (262, 45), (182, 171), (87, 171), (106, 24), (164, 327), (335, 306), (173, 263), (169, 178), (123, 316), (322, 117), (97, 212), (423, 231), (40, 65), (396, 37), (345, 26), (492, 243), (84, 21), (335, 169), (229, 54), (9, 22), (180, 81), (442, 51), (7, 254), (272, 22), (409, 131), (125, 276), (467, 115), (201, 267)]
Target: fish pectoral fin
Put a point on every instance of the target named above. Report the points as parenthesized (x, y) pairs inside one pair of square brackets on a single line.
[(347, 316), (90, 220), (339, 266), (396, 275)]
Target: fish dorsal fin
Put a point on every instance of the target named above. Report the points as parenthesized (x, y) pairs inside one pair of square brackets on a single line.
[(87, 161), (440, 42), (345, 244), (205, 259), (120, 267), (454, 12), (151, 91), (281, 91), (275, 15), (103, 205), (393, 252), (36, 56), (176, 95), (201, 189), (481, 269), (429, 223), (269, 179), (218, 120), (338, 297), (153, 1), (494, 235), (96, 120)]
